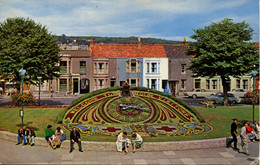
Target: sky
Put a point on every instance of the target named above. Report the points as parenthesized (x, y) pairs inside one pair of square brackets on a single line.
[(165, 19)]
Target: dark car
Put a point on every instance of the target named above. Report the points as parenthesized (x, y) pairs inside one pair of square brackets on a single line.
[(219, 98)]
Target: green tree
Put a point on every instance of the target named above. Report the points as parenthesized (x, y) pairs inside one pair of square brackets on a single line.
[(223, 49), (28, 45)]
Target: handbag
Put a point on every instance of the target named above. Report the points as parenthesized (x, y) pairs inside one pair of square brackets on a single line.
[(62, 137)]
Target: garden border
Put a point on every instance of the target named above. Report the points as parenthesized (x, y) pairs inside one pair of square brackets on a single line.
[(147, 146)]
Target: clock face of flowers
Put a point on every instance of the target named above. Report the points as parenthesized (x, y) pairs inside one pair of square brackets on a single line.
[(106, 113)]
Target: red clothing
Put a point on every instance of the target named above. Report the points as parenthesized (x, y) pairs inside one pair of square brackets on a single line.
[(249, 130)]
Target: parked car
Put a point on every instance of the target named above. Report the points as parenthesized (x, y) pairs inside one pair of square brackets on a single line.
[(219, 98), (199, 93), (238, 92)]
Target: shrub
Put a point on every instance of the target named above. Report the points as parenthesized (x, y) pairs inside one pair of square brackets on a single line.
[(252, 97), (17, 98)]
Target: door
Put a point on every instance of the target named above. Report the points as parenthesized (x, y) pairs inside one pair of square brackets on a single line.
[(75, 85)]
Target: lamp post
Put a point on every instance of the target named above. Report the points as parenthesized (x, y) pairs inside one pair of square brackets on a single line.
[(254, 73), (22, 74), (39, 101)]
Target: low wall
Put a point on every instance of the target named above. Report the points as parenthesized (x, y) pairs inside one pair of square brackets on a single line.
[(147, 146)]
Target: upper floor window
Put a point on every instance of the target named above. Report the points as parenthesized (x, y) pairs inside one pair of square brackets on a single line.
[(183, 68), (148, 67), (101, 67), (154, 67), (82, 68), (132, 66)]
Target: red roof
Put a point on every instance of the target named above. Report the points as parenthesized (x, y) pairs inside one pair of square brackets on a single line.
[(127, 51)]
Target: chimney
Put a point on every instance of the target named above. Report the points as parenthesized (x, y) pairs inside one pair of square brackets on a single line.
[(185, 42), (139, 43), (90, 42)]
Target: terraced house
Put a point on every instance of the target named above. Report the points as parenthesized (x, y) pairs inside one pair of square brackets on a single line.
[(159, 66)]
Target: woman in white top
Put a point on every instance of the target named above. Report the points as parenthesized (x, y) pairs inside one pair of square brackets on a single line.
[(121, 142), (57, 138), (137, 142)]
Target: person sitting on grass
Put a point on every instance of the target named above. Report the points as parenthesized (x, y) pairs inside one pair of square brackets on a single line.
[(121, 142), (48, 135), (137, 141), (30, 135), (21, 134)]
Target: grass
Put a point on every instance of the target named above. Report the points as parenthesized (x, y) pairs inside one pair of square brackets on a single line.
[(38, 118)]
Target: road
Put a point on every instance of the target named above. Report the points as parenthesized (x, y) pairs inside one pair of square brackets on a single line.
[(68, 100), (10, 153)]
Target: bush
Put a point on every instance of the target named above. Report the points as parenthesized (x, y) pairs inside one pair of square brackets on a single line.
[(252, 97), (17, 98)]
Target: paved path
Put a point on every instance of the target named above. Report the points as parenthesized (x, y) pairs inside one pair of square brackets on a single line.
[(10, 153)]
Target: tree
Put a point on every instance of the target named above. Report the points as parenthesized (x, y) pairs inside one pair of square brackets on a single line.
[(223, 49), (28, 45)]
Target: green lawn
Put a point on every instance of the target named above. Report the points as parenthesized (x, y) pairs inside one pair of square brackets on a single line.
[(38, 118)]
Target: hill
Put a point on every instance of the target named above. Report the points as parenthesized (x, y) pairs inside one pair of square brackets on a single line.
[(84, 40)]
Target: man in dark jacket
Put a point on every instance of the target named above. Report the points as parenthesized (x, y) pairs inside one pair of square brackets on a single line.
[(30, 135), (234, 134), (75, 137)]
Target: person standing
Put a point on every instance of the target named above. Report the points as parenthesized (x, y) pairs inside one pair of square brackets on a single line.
[(30, 135), (234, 135), (48, 134), (21, 134), (255, 127), (244, 140), (75, 137)]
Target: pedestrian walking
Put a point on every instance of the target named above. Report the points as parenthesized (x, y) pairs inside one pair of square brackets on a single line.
[(75, 137), (244, 140), (234, 135)]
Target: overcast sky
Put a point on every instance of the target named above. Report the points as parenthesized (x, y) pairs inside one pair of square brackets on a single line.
[(166, 19)]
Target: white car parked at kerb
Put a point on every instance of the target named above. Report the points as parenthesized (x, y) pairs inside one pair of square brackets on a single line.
[(199, 93)]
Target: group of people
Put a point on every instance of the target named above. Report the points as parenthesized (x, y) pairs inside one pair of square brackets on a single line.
[(248, 132), (123, 142), (54, 139), (27, 135)]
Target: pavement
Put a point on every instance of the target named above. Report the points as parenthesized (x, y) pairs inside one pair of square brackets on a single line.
[(13, 154)]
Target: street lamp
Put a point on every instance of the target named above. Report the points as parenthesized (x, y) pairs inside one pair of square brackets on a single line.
[(22, 73), (254, 73)]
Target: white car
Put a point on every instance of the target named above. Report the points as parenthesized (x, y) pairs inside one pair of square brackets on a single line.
[(199, 93), (238, 92)]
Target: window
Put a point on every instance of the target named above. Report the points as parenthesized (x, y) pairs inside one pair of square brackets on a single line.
[(154, 67), (183, 68), (238, 83), (154, 84), (148, 83), (100, 67), (100, 84), (197, 83), (183, 84), (245, 84), (148, 67), (63, 67), (208, 84), (214, 84), (132, 66), (63, 85), (133, 82), (82, 68)]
